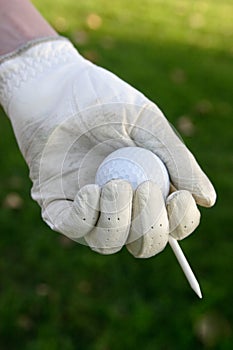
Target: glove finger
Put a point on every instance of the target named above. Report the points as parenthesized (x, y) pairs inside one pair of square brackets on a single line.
[(112, 228), (152, 131), (183, 214), (149, 229), (75, 218)]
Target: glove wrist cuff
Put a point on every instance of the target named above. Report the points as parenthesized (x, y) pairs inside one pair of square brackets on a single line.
[(35, 59), (29, 44)]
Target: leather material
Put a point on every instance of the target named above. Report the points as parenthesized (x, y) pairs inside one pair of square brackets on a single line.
[(68, 115)]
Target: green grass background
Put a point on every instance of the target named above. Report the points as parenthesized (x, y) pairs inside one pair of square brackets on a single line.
[(55, 294)]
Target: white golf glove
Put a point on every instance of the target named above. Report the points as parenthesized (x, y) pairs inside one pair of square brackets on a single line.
[(68, 115)]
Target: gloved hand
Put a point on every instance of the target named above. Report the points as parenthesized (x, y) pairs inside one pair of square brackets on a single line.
[(68, 115)]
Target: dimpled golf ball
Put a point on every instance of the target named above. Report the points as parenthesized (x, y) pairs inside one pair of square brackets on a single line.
[(136, 165)]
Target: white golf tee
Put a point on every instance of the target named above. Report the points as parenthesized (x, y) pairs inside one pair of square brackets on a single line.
[(136, 165)]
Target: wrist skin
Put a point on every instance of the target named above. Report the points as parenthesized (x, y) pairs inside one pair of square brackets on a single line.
[(20, 22)]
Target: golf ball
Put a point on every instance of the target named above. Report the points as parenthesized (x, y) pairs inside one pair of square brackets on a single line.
[(136, 165)]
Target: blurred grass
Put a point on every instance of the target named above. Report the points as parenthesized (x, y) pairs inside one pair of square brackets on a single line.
[(55, 294)]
